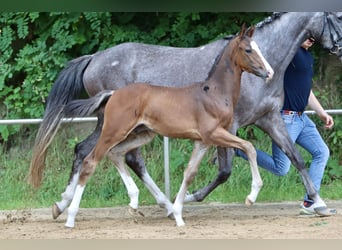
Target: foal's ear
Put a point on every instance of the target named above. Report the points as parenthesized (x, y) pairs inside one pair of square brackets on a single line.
[(250, 31), (243, 30)]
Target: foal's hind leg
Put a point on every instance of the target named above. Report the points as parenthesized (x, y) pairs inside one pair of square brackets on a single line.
[(110, 137), (82, 149), (87, 170)]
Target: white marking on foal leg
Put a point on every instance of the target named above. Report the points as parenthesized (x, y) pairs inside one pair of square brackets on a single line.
[(67, 195), (251, 198), (178, 205), (132, 189), (74, 206), (256, 179)]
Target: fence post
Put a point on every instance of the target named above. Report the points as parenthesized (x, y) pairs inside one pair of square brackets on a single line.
[(166, 167)]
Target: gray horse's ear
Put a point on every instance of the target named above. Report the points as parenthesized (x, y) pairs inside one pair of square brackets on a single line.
[(250, 31), (243, 30)]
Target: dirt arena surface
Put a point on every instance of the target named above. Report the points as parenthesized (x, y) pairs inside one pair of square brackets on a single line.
[(203, 221)]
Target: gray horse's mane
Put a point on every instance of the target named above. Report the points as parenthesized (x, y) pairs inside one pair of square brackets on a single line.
[(269, 19), (262, 23)]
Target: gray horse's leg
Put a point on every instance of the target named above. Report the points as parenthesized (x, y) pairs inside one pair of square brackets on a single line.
[(135, 161), (225, 157), (130, 147)]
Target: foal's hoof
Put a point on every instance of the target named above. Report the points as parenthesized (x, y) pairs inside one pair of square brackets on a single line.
[(135, 212), (69, 225), (248, 202), (55, 211)]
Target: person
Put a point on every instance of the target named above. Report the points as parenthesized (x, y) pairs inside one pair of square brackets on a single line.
[(302, 130)]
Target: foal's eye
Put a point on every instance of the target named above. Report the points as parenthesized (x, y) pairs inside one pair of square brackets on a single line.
[(248, 51)]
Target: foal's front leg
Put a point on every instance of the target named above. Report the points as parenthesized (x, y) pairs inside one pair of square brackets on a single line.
[(224, 138), (189, 174), (88, 168)]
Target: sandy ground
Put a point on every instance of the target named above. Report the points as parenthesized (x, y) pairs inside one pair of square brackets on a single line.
[(203, 221)]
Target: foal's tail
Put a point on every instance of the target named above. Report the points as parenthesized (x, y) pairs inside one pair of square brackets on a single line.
[(84, 107), (68, 86)]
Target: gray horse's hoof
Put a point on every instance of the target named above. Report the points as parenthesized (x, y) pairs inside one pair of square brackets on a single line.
[(55, 211)]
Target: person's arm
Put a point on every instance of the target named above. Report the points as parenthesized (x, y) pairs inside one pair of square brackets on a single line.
[(317, 107)]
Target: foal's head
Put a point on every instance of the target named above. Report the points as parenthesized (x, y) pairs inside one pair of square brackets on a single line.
[(248, 56)]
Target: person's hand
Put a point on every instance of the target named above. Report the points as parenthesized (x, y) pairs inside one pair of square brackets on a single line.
[(327, 119)]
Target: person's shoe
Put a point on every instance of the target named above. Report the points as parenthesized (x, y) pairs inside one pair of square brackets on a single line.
[(309, 208)]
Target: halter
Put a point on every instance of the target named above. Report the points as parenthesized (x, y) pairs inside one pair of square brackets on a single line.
[(327, 21)]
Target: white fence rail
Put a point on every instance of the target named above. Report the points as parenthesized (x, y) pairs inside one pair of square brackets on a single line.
[(94, 119), (37, 121), (166, 140)]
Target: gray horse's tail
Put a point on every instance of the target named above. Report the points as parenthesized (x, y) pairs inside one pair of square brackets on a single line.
[(68, 86), (85, 107)]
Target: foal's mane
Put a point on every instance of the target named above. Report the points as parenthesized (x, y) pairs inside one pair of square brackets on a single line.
[(217, 59)]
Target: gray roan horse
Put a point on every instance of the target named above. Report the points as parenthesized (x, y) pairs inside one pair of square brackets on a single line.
[(278, 37), (202, 112)]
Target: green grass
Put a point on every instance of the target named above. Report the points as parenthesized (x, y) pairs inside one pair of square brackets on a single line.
[(105, 188)]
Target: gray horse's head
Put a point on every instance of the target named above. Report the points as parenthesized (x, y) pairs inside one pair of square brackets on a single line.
[(331, 35)]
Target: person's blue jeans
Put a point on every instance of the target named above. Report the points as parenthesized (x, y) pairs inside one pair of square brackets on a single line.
[(303, 132)]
